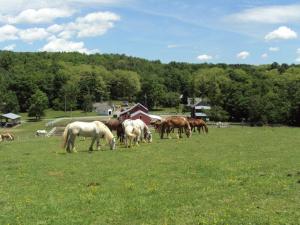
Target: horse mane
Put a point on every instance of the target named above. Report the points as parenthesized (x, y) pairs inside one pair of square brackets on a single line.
[(108, 135)]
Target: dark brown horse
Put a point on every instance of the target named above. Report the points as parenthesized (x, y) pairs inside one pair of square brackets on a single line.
[(173, 122), (115, 124), (199, 124)]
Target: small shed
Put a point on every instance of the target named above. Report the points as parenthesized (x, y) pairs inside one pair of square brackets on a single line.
[(198, 110), (103, 109), (10, 120), (126, 114)]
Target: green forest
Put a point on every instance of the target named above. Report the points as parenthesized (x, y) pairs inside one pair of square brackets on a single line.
[(259, 94)]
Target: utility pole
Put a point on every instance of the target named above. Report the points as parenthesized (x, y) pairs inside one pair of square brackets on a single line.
[(65, 103), (145, 96)]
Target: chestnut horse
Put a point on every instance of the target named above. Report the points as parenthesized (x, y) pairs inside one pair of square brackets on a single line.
[(173, 122), (199, 124), (7, 136), (114, 124)]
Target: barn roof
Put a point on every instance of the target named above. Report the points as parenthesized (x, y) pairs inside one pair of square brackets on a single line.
[(11, 116), (138, 112), (138, 104)]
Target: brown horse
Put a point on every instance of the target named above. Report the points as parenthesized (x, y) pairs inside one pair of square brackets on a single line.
[(157, 125), (199, 124), (114, 124), (173, 122)]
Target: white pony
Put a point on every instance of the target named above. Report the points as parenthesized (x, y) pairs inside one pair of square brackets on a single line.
[(131, 135), (95, 129), (41, 133), (138, 123)]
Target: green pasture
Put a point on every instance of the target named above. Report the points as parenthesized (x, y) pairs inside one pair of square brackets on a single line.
[(230, 176)]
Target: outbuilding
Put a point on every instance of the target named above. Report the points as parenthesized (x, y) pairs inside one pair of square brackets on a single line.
[(10, 120), (103, 109), (126, 114)]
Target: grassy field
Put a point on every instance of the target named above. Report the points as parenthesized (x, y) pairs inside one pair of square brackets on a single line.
[(230, 176)]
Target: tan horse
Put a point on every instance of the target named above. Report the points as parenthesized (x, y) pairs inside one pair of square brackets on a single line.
[(7, 136), (131, 135), (199, 124), (173, 122)]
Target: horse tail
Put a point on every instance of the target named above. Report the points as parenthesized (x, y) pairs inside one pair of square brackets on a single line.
[(131, 134), (65, 136)]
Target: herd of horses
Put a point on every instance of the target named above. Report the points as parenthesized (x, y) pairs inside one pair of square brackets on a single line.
[(130, 132)]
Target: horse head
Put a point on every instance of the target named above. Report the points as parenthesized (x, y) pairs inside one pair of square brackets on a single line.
[(113, 144), (188, 132), (149, 136)]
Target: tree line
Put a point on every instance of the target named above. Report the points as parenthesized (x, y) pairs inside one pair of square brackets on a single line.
[(238, 92)]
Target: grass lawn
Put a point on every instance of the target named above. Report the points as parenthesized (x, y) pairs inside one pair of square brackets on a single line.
[(230, 176)]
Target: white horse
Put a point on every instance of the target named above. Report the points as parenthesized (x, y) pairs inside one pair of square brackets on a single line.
[(145, 131), (95, 129), (131, 135), (41, 133)]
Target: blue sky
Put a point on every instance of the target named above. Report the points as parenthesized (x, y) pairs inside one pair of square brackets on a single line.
[(228, 31)]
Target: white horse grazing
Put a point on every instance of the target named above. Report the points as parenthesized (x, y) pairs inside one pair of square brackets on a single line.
[(95, 129), (131, 135), (41, 133), (145, 131)]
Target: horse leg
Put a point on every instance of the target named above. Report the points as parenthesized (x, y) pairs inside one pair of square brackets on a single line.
[(92, 143), (162, 130), (68, 143), (98, 143), (73, 144)]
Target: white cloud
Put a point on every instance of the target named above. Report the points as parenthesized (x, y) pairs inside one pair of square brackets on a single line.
[(16, 6), (66, 34), (264, 56), (276, 14), (10, 47), (274, 49), (282, 32), (61, 45), (94, 24), (243, 55), (91, 25), (43, 15), (8, 32), (55, 28), (33, 34), (204, 57)]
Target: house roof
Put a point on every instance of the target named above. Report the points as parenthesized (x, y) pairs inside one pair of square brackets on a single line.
[(155, 117), (102, 106), (202, 107), (11, 116), (138, 104), (201, 114)]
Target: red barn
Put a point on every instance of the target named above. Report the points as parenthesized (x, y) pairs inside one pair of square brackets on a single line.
[(141, 115), (126, 114), (138, 111)]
